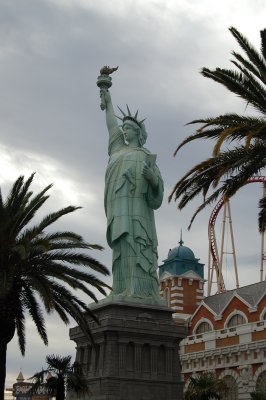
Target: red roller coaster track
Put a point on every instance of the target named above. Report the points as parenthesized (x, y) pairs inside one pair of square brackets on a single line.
[(212, 220)]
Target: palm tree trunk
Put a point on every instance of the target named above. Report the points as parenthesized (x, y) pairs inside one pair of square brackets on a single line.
[(3, 347), (60, 388), (6, 334)]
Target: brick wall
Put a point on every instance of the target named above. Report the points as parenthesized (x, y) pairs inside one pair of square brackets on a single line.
[(229, 341), (191, 348)]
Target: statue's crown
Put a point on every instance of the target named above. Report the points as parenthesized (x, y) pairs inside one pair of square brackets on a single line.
[(130, 117)]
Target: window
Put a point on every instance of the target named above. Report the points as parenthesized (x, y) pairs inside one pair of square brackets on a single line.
[(236, 320), (264, 316), (203, 327), (167, 295)]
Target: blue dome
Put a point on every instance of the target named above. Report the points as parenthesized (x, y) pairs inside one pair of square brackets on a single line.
[(182, 252), (181, 260)]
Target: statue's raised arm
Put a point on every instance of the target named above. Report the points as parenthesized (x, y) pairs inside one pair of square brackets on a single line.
[(104, 82), (133, 190)]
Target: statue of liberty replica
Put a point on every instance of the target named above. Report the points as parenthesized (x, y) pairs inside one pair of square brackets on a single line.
[(133, 190), (135, 350)]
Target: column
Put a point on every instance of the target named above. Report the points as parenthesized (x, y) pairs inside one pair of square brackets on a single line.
[(168, 360), (122, 355), (138, 357), (154, 351)]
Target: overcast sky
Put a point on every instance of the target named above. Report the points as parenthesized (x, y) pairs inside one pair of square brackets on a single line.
[(51, 52)]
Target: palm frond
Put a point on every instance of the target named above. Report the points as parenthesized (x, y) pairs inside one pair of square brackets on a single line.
[(35, 312), (263, 43), (15, 190), (238, 84), (62, 314), (251, 52), (58, 363), (29, 210), (234, 167), (20, 326), (1, 205), (262, 214), (48, 220), (41, 284), (248, 65), (238, 127)]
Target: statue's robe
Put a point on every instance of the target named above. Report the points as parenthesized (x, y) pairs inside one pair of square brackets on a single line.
[(130, 202)]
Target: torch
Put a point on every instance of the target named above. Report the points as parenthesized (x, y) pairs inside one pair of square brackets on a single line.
[(104, 81)]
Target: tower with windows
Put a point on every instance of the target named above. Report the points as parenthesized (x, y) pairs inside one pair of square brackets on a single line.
[(181, 281)]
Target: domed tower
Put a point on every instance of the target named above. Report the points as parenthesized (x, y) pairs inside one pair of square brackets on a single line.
[(182, 281)]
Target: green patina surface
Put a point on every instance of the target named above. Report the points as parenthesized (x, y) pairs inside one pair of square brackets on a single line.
[(133, 190)]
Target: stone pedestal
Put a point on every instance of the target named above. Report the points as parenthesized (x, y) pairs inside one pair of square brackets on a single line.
[(136, 353)]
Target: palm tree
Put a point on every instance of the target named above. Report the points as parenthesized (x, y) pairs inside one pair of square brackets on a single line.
[(205, 387), (60, 376), (39, 268), (258, 395), (228, 170)]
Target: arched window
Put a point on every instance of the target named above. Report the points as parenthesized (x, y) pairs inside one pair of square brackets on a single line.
[(203, 327), (236, 320), (232, 389), (261, 382), (264, 316), (166, 295)]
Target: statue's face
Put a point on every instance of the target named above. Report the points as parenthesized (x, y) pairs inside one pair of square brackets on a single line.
[(131, 132)]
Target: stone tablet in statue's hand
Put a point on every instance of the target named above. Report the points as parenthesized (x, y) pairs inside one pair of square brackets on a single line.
[(150, 176)]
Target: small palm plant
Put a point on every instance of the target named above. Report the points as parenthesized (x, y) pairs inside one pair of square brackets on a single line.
[(39, 268), (258, 395), (228, 170), (205, 387), (61, 376)]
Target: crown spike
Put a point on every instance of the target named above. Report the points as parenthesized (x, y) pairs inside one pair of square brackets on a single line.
[(119, 117), (122, 112), (130, 117), (128, 110)]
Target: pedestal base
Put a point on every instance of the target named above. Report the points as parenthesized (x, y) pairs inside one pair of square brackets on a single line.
[(136, 353)]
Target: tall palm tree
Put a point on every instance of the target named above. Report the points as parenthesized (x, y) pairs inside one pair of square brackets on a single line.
[(228, 170), (60, 376), (39, 268), (205, 387)]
